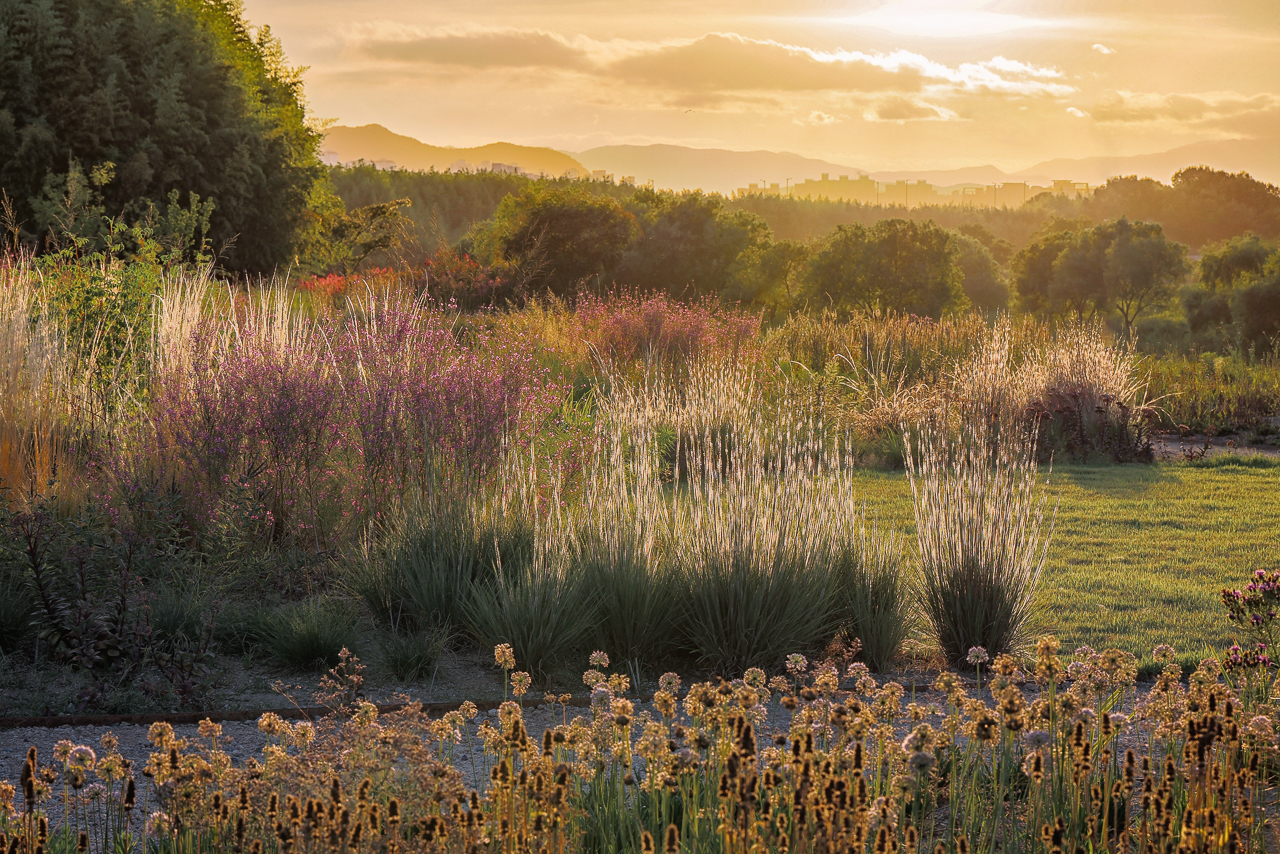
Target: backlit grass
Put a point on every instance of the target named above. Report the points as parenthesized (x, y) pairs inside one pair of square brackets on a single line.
[(1140, 554)]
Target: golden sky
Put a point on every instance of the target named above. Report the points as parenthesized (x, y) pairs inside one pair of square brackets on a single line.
[(919, 84)]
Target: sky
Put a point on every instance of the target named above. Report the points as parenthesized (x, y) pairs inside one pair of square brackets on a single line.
[(905, 84)]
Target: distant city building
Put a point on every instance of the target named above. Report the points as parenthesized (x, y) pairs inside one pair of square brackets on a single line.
[(628, 180), (911, 194), (386, 165), (505, 168), (601, 175)]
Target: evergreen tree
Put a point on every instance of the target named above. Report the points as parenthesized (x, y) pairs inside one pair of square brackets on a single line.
[(162, 96)]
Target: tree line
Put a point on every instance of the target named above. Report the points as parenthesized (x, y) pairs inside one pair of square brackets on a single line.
[(175, 126)]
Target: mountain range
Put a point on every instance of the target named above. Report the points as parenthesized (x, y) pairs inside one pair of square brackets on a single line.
[(721, 170), (376, 144)]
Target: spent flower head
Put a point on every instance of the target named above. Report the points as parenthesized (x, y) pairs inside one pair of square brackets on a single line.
[(599, 659), (520, 683), (504, 656), (977, 655), (797, 664)]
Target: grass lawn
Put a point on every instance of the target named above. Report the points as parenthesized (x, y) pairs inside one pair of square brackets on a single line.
[(1140, 554)]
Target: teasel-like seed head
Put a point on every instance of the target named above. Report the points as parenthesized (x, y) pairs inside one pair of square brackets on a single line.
[(672, 845), (335, 790), (130, 799), (362, 794), (646, 843), (82, 843)]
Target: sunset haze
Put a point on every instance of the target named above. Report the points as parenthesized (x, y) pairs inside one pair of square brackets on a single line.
[(913, 85)]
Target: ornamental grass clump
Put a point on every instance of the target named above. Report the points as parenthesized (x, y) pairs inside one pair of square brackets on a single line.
[(617, 544), (872, 593), (766, 505), (980, 529)]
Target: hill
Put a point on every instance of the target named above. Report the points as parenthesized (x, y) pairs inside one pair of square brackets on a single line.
[(719, 170), (1259, 157), (374, 143)]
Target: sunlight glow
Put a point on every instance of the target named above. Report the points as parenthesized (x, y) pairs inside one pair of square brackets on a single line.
[(943, 20)]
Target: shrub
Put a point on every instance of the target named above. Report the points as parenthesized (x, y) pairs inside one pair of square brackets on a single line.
[(979, 526), (626, 330)]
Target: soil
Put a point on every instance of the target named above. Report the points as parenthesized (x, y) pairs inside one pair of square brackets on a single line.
[(1191, 446)]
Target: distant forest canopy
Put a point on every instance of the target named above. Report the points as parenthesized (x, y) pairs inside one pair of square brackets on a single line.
[(1200, 206), (488, 239)]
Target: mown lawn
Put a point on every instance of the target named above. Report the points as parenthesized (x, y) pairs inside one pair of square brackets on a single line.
[(1140, 554)]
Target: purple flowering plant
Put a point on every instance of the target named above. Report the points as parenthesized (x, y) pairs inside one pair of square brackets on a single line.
[(1255, 606)]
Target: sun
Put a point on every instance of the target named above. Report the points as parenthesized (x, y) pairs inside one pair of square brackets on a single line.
[(933, 19)]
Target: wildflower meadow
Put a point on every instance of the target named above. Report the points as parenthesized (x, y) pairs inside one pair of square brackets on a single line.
[(863, 541)]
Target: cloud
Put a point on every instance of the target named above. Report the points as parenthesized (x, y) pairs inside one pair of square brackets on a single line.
[(899, 109), (1103, 49), (506, 48), (817, 117), (718, 63), (1077, 112), (726, 62), (1175, 108)]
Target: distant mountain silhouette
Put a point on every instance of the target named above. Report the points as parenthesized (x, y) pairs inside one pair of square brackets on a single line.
[(720, 170), (1259, 157), (676, 167), (376, 143)]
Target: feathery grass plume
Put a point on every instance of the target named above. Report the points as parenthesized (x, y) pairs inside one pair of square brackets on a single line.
[(34, 377), (979, 517), (618, 533), (532, 600), (753, 529)]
